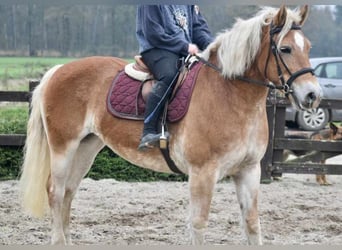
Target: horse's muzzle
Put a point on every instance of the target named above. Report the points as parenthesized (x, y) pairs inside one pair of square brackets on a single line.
[(306, 95)]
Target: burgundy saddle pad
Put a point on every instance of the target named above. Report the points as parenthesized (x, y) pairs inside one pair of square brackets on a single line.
[(124, 98)]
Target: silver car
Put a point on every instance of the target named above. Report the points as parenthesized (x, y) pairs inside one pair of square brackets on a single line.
[(328, 71)]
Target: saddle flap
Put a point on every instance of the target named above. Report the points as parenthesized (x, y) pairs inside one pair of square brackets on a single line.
[(125, 99)]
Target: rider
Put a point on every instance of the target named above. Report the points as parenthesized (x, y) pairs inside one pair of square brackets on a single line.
[(166, 33)]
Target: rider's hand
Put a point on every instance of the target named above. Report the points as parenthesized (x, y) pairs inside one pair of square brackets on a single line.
[(192, 49)]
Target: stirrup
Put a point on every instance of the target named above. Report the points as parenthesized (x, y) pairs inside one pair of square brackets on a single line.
[(150, 141)]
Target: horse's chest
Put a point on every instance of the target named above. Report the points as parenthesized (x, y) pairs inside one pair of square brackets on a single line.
[(243, 156), (256, 143), (247, 150)]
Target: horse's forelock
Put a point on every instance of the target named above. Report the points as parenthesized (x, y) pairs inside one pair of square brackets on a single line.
[(237, 48)]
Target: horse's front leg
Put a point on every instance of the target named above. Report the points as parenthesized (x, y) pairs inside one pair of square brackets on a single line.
[(202, 184), (247, 183)]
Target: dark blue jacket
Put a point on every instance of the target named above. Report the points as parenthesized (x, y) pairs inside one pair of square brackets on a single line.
[(171, 27)]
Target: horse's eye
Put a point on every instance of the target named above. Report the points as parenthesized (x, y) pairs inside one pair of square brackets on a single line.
[(285, 50)]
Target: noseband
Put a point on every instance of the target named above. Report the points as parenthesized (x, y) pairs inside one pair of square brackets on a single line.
[(285, 85)]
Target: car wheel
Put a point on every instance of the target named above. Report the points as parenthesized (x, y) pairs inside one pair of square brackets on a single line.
[(313, 119)]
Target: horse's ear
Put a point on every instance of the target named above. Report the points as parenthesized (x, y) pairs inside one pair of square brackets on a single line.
[(280, 18), (304, 13)]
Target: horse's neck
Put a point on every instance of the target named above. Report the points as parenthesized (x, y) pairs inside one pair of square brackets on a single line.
[(254, 93), (257, 88)]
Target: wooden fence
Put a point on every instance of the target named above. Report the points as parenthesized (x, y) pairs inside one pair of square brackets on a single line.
[(272, 164), (16, 96)]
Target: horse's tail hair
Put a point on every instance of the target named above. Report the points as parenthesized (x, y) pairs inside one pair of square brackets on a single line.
[(36, 166)]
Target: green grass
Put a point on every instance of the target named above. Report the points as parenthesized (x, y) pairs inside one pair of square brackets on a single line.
[(13, 119), (27, 67)]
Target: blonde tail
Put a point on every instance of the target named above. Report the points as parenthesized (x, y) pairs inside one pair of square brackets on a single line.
[(36, 166)]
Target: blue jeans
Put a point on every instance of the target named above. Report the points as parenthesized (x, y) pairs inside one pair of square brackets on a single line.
[(164, 66)]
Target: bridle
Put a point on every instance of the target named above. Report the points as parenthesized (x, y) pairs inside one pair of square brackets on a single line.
[(285, 85)]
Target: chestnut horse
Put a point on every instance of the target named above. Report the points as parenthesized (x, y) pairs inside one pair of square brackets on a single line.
[(223, 133)]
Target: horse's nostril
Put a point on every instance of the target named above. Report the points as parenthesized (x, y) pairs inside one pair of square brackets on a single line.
[(311, 97)]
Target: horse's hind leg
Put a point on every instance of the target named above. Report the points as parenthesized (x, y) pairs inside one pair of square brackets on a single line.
[(202, 184), (67, 171), (247, 183), (84, 158), (60, 168)]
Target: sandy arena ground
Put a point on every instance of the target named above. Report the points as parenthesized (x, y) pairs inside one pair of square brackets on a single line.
[(294, 210)]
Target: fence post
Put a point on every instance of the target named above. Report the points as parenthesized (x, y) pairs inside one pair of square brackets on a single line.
[(32, 85), (279, 133), (266, 161)]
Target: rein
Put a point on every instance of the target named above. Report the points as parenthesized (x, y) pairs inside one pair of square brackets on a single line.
[(285, 85), (213, 66)]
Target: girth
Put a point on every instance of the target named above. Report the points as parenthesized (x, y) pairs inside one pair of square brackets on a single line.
[(139, 70)]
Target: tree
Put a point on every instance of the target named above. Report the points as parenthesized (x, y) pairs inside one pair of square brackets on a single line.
[(82, 30), (322, 33), (338, 21), (338, 14)]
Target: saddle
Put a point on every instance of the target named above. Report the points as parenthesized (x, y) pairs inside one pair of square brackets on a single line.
[(139, 71), (131, 86)]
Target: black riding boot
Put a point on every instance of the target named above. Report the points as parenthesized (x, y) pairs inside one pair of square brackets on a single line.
[(150, 136)]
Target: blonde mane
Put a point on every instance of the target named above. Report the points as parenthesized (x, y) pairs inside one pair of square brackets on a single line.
[(237, 48)]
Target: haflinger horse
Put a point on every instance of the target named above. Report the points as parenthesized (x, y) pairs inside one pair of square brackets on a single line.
[(224, 131)]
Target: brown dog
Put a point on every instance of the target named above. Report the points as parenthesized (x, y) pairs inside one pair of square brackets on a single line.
[(333, 133)]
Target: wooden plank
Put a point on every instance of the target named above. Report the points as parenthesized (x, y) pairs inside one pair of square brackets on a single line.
[(300, 134), (14, 96), (12, 140), (313, 156), (325, 103), (331, 103), (307, 168), (308, 145)]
